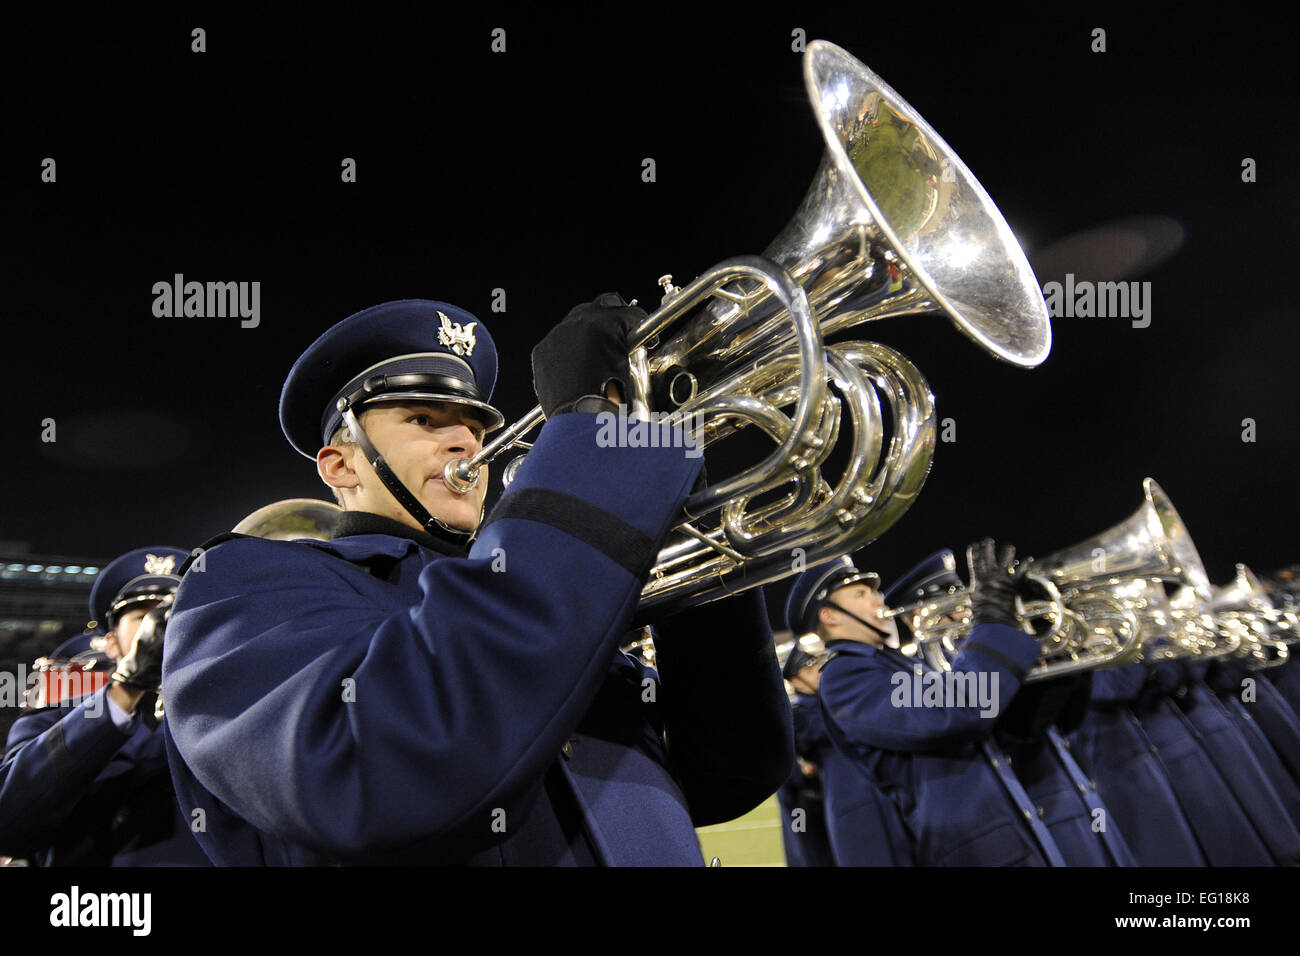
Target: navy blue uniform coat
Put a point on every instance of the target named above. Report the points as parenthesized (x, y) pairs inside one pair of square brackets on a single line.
[(929, 760), (1223, 829), (417, 711), (76, 790), (864, 827), (809, 845), (1113, 748)]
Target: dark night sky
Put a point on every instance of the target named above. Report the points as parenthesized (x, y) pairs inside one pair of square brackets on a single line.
[(522, 171)]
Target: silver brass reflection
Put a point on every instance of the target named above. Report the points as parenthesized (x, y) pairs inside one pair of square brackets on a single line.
[(291, 519), (893, 224), (1104, 597)]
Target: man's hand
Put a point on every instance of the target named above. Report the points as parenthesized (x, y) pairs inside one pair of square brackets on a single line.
[(141, 670), (585, 357), (993, 583)]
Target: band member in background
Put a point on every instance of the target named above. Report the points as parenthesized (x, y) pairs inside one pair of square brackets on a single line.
[(1265, 720), (802, 796), (1026, 738), (1269, 800), (86, 782), (938, 764), (1224, 829), (1032, 735), (864, 825), (449, 690), (1114, 749)]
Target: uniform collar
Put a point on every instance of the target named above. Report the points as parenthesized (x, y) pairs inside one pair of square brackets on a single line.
[(363, 523), (844, 644), (862, 649)]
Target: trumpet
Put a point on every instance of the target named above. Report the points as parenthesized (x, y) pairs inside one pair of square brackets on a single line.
[(893, 224)]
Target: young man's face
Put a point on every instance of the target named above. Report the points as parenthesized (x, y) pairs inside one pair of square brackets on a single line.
[(864, 601), (418, 439)]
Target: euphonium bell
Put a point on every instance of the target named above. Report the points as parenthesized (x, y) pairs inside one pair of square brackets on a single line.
[(893, 223), (292, 518), (1152, 544)]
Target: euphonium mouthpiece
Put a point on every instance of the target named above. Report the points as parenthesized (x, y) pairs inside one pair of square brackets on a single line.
[(460, 475)]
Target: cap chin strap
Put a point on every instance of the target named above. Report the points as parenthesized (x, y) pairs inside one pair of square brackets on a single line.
[(408, 501), (884, 635)]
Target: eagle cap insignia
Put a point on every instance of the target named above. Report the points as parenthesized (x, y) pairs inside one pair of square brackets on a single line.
[(153, 564), (453, 336)]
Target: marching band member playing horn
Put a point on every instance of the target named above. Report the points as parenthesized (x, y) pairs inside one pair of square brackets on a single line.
[(430, 687), (863, 825), (935, 760), (85, 782)]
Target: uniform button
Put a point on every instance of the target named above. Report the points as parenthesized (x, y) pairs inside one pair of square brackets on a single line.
[(1028, 815), (1082, 788), (1040, 813), (1092, 784), (567, 749), (997, 764)]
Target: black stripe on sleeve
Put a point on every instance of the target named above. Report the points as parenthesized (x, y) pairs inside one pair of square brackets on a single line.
[(998, 658), (606, 532)]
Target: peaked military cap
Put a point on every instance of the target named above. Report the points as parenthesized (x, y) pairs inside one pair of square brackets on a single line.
[(145, 574), (800, 653), (813, 587), (936, 575), (408, 349)]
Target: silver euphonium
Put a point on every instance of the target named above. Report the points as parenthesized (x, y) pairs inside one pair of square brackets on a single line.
[(894, 223), (1100, 600), (1243, 606)]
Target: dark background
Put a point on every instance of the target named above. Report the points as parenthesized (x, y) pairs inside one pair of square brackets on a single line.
[(522, 171)]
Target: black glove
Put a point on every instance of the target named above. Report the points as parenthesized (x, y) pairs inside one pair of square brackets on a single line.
[(993, 583), (141, 669), (583, 354)]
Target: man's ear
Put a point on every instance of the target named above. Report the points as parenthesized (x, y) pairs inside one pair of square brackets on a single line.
[(827, 615), (334, 465)]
